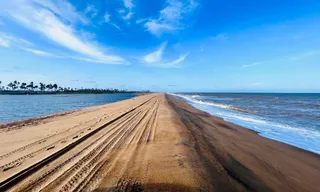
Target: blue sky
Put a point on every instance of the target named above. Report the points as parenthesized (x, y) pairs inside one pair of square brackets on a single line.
[(163, 45)]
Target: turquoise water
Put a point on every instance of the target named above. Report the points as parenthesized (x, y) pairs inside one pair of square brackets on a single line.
[(18, 107), (289, 118)]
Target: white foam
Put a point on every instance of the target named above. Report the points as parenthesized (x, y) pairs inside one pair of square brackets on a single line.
[(304, 138), (204, 102)]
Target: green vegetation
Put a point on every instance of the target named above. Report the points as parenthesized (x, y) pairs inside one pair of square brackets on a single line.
[(21, 88)]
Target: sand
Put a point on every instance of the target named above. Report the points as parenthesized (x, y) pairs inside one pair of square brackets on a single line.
[(152, 142)]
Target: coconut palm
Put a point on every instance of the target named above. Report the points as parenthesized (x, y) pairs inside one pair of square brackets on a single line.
[(55, 87), (30, 86), (42, 86)]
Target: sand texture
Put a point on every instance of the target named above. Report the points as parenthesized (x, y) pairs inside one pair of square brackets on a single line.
[(153, 142)]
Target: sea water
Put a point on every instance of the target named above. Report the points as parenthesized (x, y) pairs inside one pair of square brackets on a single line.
[(289, 118), (18, 107)]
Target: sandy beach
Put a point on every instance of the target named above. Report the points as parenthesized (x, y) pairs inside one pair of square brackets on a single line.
[(152, 142)]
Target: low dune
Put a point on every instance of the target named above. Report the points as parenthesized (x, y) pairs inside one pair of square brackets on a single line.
[(152, 142)]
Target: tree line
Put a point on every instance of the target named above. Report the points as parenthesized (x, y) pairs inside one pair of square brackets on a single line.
[(17, 87)]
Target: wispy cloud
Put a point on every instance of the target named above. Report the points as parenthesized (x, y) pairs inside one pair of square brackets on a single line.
[(251, 65), (220, 36), (156, 55), (128, 16), (107, 18), (4, 42), (91, 11), (170, 18), (303, 55), (175, 63), (39, 17), (128, 4), (61, 8), (116, 26), (155, 58), (40, 52), (127, 13), (7, 40), (285, 59)]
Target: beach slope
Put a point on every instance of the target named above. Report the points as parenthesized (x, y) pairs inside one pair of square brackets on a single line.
[(153, 142)]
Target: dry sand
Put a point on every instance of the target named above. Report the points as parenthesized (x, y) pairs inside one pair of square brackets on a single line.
[(150, 143)]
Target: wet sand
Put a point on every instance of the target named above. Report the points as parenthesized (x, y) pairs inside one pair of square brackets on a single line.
[(150, 143)]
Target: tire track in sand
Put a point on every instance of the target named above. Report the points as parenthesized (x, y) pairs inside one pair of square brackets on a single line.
[(76, 169)]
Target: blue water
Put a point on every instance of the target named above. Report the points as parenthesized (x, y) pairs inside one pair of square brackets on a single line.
[(289, 118), (18, 107)]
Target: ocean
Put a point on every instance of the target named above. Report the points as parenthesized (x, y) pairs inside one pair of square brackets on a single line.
[(18, 107), (289, 118)]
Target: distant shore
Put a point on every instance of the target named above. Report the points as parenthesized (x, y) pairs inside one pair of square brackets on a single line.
[(153, 142), (23, 88), (65, 92)]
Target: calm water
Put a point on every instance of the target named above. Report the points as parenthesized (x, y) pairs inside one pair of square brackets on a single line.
[(290, 118), (17, 107)]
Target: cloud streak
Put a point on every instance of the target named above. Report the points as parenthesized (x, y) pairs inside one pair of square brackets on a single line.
[(155, 56), (41, 53), (8, 40), (251, 65), (41, 17)]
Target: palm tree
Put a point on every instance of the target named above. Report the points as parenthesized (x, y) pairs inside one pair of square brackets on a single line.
[(30, 86), (16, 84), (55, 87), (23, 86), (42, 86), (49, 86), (11, 85)]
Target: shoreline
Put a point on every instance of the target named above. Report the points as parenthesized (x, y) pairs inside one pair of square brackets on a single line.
[(151, 142), (265, 127), (61, 93)]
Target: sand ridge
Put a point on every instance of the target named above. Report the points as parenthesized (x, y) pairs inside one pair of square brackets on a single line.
[(152, 142)]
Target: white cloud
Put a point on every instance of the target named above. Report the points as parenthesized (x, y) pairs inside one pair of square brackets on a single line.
[(6, 40), (141, 21), (106, 18), (220, 36), (128, 4), (127, 13), (121, 11), (128, 16), (170, 18), (175, 62), (44, 21), (116, 26), (157, 28), (155, 56), (303, 55), (91, 11), (39, 52), (63, 9), (251, 65)]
